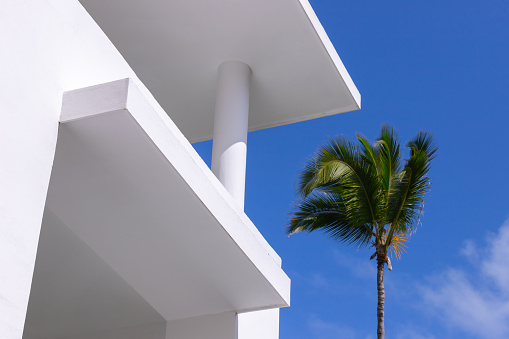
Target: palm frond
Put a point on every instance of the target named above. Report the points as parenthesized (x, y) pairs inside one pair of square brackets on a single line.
[(389, 153), (397, 245), (327, 212), (338, 167), (406, 204), (424, 142), (369, 153), (321, 170)]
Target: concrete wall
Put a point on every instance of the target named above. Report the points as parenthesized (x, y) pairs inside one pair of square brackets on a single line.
[(48, 47), (248, 324), (149, 331), (217, 326)]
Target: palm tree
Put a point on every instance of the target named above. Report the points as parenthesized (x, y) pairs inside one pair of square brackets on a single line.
[(363, 195)]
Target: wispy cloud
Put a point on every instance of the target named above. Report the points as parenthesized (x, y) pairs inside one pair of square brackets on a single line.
[(470, 250), (475, 300)]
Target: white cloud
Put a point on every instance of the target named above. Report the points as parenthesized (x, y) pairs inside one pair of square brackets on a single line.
[(497, 265), (470, 250), (476, 300)]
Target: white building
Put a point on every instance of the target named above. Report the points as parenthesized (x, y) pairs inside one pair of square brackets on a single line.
[(111, 225)]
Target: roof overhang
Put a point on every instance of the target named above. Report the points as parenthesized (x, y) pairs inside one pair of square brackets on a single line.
[(128, 186), (175, 47)]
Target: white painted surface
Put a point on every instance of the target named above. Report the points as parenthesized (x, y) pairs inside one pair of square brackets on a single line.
[(48, 47), (229, 149), (132, 188), (75, 292), (217, 326), (258, 324), (28, 130), (98, 99), (39, 58), (176, 46), (148, 331)]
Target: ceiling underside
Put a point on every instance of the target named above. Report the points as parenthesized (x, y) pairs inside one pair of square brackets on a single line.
[(175, 47), (74, 291)]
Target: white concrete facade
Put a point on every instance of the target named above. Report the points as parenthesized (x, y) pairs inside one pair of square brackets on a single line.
[(111, 226), (219, 326), (50, 47)]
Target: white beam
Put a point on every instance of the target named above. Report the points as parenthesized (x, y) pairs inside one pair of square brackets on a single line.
[(116, 130), (230, 128), (262, 324)]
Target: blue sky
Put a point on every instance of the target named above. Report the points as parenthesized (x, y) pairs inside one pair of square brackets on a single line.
[(442, 66)]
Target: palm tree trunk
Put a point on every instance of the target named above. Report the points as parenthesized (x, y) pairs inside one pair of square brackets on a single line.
[(381, 299)]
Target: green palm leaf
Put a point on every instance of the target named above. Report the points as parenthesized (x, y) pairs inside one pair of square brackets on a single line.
[(338, 167), (327, 212), (407, 202)]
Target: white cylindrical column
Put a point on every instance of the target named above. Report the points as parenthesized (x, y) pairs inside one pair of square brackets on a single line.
[(229, 148)]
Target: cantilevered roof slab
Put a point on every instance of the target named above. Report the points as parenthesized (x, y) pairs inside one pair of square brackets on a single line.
[(176, 46), (128, 184)]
